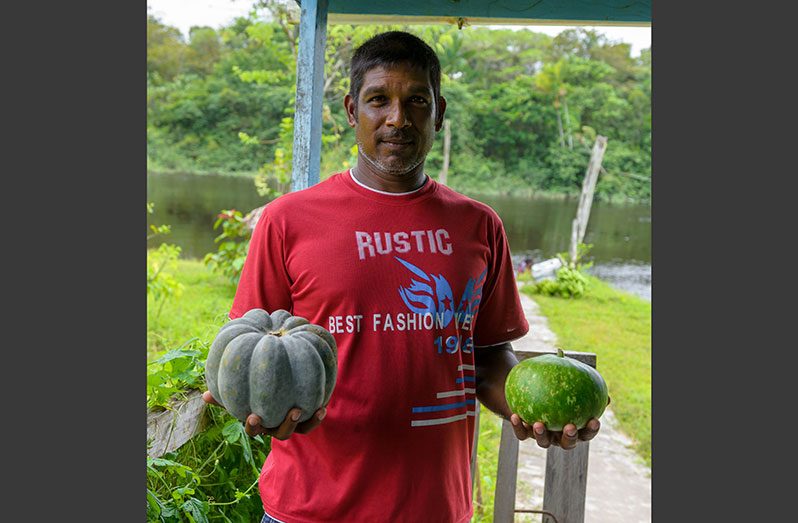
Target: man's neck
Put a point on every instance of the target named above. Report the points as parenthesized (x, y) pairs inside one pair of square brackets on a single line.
[(404, 183)]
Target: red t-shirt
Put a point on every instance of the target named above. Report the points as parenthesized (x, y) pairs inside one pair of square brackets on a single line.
[(409, 285)]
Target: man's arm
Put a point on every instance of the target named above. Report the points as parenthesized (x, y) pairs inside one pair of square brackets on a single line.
[(493, 364)]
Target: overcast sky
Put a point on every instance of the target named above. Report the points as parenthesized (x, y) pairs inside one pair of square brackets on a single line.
[(217, 13)]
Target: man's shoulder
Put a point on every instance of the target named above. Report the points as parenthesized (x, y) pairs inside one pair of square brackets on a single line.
[(293, 200), (463, 203)]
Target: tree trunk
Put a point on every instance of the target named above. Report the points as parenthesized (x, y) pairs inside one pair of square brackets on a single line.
[(586, 199), (559, 126), (447, 142), (568, 125)]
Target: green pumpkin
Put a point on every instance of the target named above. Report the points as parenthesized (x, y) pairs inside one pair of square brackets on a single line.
[(267, 364), (556, 390)]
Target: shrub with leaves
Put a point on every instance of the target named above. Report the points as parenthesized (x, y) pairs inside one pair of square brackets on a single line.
[(571, 281), (176, 372), (232, 242)]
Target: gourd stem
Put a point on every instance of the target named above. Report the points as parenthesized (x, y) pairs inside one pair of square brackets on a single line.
[(560, 353)]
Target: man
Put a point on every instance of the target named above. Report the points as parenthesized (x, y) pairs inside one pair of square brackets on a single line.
[(415, 281)]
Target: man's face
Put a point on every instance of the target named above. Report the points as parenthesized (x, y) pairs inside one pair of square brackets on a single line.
[(395, 120)]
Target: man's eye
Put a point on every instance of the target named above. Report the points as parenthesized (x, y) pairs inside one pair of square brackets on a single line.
[(378, 98), (418, 100)]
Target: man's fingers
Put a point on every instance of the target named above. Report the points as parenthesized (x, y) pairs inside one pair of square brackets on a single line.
[(253, 427), (518, 427), (542, 436), (569, 437), (312, 423), (590, 430), (208, 398), (288, 425)]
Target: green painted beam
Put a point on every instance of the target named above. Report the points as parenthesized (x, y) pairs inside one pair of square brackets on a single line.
[(604, 12)]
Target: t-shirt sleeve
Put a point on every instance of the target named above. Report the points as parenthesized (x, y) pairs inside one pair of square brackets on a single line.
[(264, 283), (500, 317)]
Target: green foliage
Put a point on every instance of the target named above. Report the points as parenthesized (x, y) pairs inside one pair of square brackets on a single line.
[(571, 280), (199, 312), (233, 243), (176, 372), (570, 283), (519, 103), (214, 476), (161, 285)]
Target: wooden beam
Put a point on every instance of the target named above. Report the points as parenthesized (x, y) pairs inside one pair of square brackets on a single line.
[(309, 90), (579, 225)]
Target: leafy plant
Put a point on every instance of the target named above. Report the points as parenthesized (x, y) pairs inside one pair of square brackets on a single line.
[(571, 281), (232, 245), (160, 283), (176, 372), (214, 476)]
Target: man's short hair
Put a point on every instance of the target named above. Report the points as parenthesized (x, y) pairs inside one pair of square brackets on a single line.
[(390, 49)]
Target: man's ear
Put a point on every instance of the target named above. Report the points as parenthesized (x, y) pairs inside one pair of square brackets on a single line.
[(349, 106), (441, 110)]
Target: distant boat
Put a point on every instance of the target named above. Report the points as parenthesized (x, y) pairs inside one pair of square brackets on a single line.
[(547, 269)]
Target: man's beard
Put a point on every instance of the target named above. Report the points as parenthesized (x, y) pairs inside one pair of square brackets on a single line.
[(390, 169)]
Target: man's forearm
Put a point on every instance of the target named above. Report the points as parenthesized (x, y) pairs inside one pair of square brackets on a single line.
[(492, 366)]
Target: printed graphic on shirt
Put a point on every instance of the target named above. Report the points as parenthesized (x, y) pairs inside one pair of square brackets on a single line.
[(434, 295), (462, 395)]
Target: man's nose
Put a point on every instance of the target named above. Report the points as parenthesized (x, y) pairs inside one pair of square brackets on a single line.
[(397, 116)]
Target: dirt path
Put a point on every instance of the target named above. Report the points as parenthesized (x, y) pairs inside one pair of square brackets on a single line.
[(618, 482)]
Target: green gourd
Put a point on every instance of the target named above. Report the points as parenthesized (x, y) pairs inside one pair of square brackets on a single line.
[(267, 364), (556, 390)]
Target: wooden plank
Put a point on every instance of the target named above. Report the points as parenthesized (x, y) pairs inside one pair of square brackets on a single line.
[(585, 357), (566, 483), (506, 476), (169, 429), (309, 91)]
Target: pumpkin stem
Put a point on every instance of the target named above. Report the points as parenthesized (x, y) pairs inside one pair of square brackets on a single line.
[(560, 353), (278, 333)]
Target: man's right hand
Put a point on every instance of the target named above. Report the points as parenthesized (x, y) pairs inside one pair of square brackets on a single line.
[(289, 426)]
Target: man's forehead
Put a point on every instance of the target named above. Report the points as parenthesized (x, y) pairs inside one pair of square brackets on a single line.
[(411, 78)]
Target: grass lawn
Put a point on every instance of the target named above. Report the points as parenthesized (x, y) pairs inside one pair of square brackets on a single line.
[(616, 326), (199, 311)]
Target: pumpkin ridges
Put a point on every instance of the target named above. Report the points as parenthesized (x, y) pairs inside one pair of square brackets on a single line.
[(259, 317), (293, 322), (279, 317), (270, 394), (328, 360), (305, 362), (226, 334), (266, 364), (233, 390)]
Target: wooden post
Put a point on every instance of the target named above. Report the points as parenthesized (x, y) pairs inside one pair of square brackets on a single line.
[(309, 91), (566, 483), (506, 476), (474, 468), (579, 225), (447, 142)]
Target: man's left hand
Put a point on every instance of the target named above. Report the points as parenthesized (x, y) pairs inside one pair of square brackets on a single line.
[(565, 439)]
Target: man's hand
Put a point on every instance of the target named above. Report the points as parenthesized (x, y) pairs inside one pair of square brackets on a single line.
[(565, 439), (289, 426)]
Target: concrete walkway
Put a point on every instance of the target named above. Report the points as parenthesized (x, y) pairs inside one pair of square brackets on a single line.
[(618, 482)]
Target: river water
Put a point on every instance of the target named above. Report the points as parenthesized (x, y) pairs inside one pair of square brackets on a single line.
[(536, 227)]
